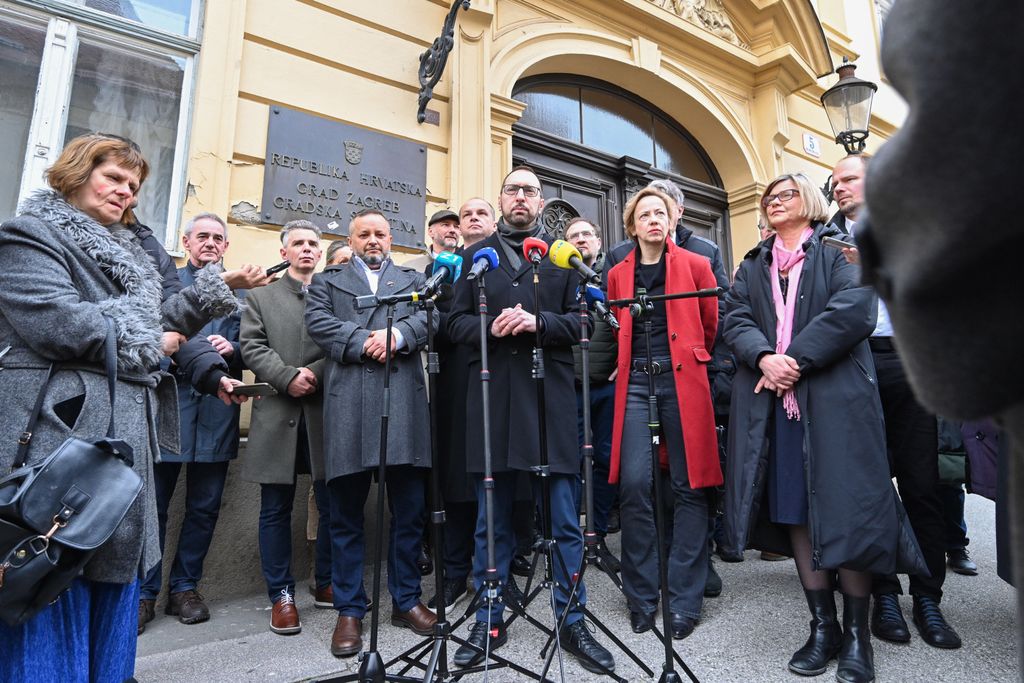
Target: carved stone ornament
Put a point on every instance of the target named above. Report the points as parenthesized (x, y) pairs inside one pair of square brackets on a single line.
[(632, 185), (708, 14), (557, 214)]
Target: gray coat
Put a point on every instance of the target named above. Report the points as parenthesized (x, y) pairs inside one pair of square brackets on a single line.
[(856, 519), (275, 345), (60, 274), (354, 384)]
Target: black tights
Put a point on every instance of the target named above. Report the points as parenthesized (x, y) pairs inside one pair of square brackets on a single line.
[(852, 583)]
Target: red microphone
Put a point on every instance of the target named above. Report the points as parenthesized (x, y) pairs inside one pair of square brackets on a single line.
[(534, 249)]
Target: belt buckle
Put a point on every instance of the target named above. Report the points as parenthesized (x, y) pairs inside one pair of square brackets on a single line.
[(654, 368)]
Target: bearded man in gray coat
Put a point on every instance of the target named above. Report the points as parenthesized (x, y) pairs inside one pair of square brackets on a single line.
[(355, 342), (286, 433)]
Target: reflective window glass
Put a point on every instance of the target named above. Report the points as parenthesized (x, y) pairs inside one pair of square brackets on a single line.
[(173, 16), (614, 124), (676, 154), (138, 96), (554, 109), (21, 51)]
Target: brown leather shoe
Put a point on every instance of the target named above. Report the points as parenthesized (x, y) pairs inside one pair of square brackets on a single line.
[(147, 613), (188, 606), (419, 619), (323, 598), (348, 637), (284, 617)]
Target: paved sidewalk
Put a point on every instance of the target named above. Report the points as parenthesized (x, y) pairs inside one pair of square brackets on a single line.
[(747, 634)]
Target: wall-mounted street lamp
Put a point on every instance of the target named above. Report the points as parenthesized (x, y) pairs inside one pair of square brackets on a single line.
[(848, 106)]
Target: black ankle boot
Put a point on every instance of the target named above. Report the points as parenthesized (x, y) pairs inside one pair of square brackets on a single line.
[(856, 660), (826, 636)]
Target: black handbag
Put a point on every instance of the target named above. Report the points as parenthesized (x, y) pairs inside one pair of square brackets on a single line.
[(56, 513)]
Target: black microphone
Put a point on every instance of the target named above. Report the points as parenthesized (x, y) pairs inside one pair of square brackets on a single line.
[(564, 255)]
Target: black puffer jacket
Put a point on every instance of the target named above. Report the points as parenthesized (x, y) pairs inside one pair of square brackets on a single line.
[(604, 349)]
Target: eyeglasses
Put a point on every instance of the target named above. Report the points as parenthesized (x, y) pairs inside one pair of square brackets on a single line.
[(528, 190), (581, 234), (783, 196)]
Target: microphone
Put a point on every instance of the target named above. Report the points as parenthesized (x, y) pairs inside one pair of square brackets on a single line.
[(447, 269), (534, 249), (596, 299), (564, 255), (483, 260)]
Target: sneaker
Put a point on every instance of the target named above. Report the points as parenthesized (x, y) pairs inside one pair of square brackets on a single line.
[(454, 590), (887, 622), (577, 640), (468, 656), (960, 562)]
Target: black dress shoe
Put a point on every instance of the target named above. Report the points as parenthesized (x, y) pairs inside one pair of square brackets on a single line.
[(932, 625), (641, 622), (424, 561), (713, 583), (521, 565), (887, 620), (960, 562), (592, 656), (468, 656), (682, 626)]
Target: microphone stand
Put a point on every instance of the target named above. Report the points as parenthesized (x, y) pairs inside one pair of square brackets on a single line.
[(371, 666), (641, 308), (437, 669), (591, 541)]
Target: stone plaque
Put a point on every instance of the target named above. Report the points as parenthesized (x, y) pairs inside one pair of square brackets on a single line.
[(325, 172)]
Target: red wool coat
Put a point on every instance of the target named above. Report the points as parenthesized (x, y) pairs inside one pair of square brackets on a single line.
[(692, 324)]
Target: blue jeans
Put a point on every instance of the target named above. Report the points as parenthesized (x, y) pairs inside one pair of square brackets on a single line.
[(602, 418), (87, 636), (204, 485), (565, 529), (686, 509), (407, 505), (275, 538)]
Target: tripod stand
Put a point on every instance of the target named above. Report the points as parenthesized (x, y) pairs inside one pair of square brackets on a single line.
[(641, 308), (437, 667)]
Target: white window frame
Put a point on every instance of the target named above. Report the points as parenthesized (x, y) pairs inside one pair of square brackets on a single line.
[(56, 73)]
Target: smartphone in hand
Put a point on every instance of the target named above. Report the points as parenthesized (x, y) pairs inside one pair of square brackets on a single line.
[(837, 243), (257, 389)]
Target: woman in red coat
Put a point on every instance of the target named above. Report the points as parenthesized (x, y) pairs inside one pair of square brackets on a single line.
[(683, 332)]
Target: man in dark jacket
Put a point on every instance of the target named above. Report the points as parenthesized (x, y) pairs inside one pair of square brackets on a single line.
[(514, 420), (911, 438), (585, 236), (209, 440)]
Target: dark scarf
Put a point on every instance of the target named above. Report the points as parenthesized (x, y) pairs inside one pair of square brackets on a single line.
[(511, 241)]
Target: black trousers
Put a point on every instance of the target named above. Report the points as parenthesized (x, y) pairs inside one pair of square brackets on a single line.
[(912, 440)]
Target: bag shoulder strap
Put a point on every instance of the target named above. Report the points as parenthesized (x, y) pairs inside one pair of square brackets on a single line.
[(110, 360)]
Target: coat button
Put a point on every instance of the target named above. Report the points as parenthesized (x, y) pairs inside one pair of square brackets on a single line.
[(291, 423), (138, 398), (516, 283), (369, 369), (673, 336), (679, 366), (515, 352)]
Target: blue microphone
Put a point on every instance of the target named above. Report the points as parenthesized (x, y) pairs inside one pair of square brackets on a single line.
[(483, 260), (447, 269), (596, 299)]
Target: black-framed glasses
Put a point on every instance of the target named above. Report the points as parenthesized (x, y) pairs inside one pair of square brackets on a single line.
[(528, 190), (783, 196)]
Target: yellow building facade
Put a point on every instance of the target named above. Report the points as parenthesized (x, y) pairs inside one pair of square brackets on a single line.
[(741, 79)]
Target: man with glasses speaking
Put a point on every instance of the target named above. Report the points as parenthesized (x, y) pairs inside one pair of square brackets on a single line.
[(514, 419)]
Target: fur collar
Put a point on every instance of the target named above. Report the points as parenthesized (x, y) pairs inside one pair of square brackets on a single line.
[(136, 314)]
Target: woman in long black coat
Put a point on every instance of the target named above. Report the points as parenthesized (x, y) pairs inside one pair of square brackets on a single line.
[(807, 471)]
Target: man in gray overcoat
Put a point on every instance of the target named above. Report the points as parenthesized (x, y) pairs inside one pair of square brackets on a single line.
[(356, 347), (286, 434)]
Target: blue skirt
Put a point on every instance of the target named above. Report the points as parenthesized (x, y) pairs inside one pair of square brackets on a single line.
[(87, 636), (786, 487)]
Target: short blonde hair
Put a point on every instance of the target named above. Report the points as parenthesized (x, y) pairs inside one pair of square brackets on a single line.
[(627, 213), (76, 163), (815, 206)]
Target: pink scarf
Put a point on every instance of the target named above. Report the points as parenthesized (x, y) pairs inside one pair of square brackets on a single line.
[(785, 309)]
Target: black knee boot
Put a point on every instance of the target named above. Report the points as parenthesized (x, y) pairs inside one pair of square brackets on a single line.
[(826, 636), (856, 660)]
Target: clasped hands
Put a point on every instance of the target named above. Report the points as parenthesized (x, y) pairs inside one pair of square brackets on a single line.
[(375, 346), (513, 321), (781, 372)]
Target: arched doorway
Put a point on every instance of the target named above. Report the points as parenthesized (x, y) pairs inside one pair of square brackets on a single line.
[(594, 144)]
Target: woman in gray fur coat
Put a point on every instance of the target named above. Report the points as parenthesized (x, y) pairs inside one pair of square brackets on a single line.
[(66, 263)]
